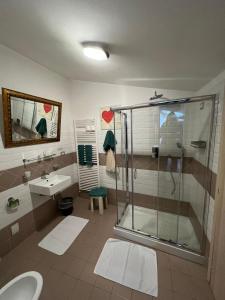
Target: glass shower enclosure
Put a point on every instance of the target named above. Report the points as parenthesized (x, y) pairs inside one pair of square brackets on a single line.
[(163, 178)]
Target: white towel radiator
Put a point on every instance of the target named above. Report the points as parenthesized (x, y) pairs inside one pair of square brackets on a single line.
[(85, 134)]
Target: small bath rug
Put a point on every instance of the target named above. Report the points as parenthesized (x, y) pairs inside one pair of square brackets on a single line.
[(62, 236), (129, 264)]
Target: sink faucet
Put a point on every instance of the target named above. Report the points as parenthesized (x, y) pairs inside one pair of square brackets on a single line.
[(44, 174)]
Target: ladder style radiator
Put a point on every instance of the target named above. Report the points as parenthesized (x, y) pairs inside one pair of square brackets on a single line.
[(85, 134)]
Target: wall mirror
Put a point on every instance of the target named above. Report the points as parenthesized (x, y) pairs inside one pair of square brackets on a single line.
[(29, 120)]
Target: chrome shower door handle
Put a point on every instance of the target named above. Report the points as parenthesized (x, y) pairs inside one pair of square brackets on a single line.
[(135, 173)]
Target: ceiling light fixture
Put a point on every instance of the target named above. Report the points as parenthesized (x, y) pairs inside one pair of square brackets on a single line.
[(96, 52)]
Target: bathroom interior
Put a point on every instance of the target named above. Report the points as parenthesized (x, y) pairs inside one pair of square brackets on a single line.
[(112, 150)]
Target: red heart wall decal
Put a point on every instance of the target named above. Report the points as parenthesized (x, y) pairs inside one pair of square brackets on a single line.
[(107, 116), (47, 107)]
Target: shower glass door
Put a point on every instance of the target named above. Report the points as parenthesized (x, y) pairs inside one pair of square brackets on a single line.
[(196, 177), (185, 133), (144, 123), (122, 171), (166, 195), (170, 163)]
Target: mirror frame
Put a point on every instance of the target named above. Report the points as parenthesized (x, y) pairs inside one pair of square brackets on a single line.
[(6, 102)]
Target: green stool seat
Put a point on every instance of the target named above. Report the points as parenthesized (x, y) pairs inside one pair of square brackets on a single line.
[(98, 192)]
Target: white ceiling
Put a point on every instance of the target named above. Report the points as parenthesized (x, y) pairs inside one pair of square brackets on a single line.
[(174, 44)]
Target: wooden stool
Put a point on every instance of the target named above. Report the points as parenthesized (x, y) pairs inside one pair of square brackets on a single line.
[(99, 193)]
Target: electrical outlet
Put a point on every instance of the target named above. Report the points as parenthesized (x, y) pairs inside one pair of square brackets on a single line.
[(15, 228)]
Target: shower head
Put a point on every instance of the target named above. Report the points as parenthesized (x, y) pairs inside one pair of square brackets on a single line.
[(156, 96)]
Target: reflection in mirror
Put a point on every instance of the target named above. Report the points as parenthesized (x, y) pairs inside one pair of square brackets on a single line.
[(29, 119), (33, 120)]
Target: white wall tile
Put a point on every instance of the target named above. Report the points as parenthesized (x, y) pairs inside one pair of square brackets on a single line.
[(28, 201)]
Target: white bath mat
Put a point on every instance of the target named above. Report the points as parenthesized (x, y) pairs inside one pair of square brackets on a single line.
[(129, 264), (61, 237)]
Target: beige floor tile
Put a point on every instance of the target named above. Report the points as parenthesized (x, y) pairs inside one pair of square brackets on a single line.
[(94, 255), (178, 296), (82, 291), (122, 291), (182, 283), (104, 284), (180, 265), (42, 269), (62, 262), (164, 294), (49, 258), (99, 294), (163, 260), (197, 271), (65, 286), (71, 276), (76, 267), (116, 297), (201, 290), (51, 286), (80, 250), (22, 266), (164, 278), (88, 273), (140, 296)]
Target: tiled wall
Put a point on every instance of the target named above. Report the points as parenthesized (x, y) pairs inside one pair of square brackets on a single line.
[(33, 212), (28, 201), (22, 74), (216, 86)]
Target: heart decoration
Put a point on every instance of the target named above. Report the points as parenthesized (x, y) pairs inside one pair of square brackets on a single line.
[(107, 116), (47, 108)]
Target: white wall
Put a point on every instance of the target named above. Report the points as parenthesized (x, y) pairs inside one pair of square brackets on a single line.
[(215, 86), (89, 97), (197, 125), (22, 74)]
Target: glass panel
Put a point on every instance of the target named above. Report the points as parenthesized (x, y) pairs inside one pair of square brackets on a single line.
[(196, 179), (122, 180), (145, 174), (171, 119), (168, 165)]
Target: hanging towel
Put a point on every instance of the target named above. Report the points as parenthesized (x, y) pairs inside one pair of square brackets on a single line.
[(88, 152), (42, 127), (110, 161), (81, 155), (110, 141)]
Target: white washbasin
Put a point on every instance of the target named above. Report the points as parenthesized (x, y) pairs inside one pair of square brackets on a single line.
[(51, 185), (26, 286)]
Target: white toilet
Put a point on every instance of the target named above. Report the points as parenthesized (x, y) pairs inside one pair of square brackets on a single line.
[(26, 286)]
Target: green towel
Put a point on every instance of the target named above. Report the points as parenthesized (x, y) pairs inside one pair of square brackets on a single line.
[(42, 127), (88, 152), (81, 155), (110, 141)]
